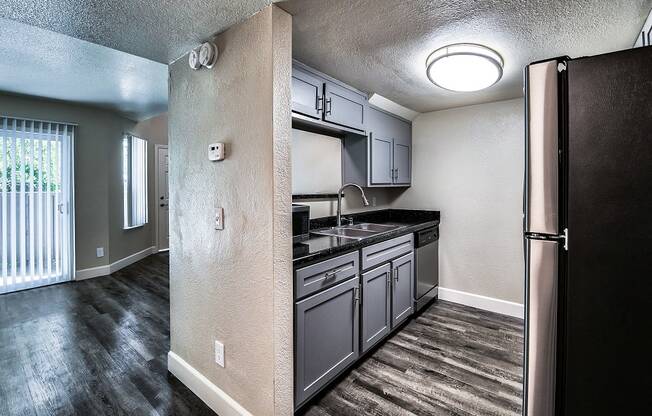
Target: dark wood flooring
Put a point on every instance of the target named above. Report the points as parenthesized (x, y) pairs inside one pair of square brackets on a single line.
[(99, 346), (451, 360), (94, 347)]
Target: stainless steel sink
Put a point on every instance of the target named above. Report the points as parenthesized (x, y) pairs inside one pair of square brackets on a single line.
[(356, 231), (378, 228)]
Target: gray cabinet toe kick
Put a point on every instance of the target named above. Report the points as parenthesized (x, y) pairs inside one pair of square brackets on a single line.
[(341, 312)]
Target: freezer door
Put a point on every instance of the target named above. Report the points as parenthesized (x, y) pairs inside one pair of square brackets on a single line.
[(541, 327), (542, 149)]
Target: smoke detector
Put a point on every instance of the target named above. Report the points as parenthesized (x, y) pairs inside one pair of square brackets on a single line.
[(208, 54), (193, 59)]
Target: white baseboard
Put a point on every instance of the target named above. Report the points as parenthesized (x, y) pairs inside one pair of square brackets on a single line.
[(84, 274), (115, 266), (215, 398), (482, 302)]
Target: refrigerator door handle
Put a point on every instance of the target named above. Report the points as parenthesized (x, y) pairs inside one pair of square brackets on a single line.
[(541, 327), (542, 148)]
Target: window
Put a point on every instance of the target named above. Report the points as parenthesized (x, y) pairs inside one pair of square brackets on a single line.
[(134, 176)]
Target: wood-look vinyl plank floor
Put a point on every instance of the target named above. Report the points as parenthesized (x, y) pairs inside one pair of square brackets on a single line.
[(450, 360), (94, 347)]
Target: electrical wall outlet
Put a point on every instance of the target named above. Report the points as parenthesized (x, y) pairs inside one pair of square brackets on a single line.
[(216, 151), (373, 201), (219, 353), (219, 219), (99, 251)]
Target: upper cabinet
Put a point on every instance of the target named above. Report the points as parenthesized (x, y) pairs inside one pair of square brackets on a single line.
[(343, 106), (325, 102), (307, 94), (384, 157), (377, 149)]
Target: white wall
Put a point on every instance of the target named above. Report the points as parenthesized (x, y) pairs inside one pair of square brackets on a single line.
[(235, 285), (316, 163), (468, 164)]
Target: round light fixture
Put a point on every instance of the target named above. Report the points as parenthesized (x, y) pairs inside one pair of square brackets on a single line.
[(464, 67)]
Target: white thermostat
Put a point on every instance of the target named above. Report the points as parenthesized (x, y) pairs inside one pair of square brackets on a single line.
[(216, 151)]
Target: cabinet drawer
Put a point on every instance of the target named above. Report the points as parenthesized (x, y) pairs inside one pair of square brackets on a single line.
[(386, 251), (313, 278)]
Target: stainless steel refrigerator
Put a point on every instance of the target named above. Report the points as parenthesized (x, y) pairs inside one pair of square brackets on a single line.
[(588, 235)]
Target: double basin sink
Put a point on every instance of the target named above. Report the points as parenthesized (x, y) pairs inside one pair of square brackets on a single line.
[(356, 231)]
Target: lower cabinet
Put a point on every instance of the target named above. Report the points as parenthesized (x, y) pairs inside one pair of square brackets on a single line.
[(327, 336), (376, 306), (402, 288), (338, 323)]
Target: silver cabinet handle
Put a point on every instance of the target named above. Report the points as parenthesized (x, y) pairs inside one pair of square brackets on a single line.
[(396, 274), (328, 105), (333, 273), (356, 295), (320, 103)]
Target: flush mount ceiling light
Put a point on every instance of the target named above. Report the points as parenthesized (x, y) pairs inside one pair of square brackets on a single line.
[(464, 67)]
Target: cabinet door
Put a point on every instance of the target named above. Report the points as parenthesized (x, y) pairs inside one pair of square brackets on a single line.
[(327, 336), (381, 160), (344, 107), (402, 156), (376, 305), (306, 93), (402, 287)]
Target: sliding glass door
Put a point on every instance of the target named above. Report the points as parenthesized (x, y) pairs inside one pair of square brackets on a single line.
[(36, 206)]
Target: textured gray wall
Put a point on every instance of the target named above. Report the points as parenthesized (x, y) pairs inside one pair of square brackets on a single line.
[(468, 163), (98, 181), (234, 285)]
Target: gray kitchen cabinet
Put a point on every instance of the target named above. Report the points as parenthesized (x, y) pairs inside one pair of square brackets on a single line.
[(384, 157), (381, 156), (344, 106), (379, 253), (313, 278), (322, 102), (327, 336), (401, 159), (402, 288), (376, 306), (307, 93)]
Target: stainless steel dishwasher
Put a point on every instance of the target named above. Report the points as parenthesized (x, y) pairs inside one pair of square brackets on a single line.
[(426, 243)]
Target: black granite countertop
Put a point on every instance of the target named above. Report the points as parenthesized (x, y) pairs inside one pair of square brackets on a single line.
[(319, 247)]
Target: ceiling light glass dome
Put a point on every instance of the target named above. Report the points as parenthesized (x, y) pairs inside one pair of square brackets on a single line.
[(464, 67)]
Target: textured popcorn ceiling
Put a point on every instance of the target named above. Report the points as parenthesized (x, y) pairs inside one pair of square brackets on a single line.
[(41, 63), (381, 45), (160, 30)]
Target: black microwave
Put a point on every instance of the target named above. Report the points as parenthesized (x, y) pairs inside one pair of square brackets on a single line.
[(300, 222)]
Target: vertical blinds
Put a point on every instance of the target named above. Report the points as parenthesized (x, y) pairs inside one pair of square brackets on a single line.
[(35, 208)]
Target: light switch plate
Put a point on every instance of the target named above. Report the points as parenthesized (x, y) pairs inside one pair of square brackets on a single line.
[(219, 219), (219, 354), (99, 251), (216, 151)]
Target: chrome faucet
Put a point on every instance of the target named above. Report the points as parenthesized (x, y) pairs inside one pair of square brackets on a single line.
[(339, 200)]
